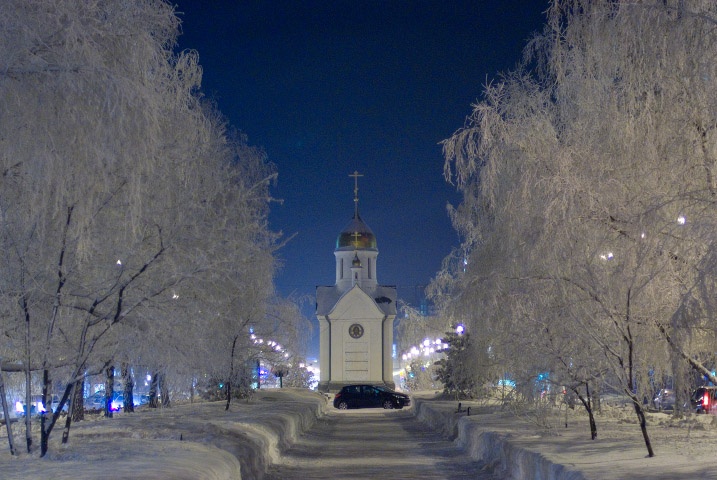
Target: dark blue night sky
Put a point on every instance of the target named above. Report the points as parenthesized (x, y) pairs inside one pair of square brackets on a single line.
[(329, 87)]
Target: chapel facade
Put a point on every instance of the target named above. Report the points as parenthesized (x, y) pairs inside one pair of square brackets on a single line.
[(355, 314)]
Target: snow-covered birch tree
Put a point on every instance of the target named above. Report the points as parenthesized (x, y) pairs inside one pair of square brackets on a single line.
[(112, 169), (592, 168)]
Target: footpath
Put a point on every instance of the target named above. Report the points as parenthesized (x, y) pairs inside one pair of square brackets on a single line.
[(204, 441)]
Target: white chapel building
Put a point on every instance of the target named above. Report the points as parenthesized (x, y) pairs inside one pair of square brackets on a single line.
[(356, 314)]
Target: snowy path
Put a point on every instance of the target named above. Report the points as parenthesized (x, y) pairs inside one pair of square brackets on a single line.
[(374, 443)]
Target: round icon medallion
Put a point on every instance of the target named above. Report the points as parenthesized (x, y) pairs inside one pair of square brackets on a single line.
[(356, 330)]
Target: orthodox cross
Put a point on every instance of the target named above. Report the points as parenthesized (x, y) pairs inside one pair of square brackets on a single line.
[(356, 236), (356, 176)]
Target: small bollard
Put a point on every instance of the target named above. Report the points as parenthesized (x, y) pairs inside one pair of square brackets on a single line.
[(459, 408), (468, 412)]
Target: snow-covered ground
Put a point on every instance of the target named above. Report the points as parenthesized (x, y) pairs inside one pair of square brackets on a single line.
[(194, 441), (526, 446), (203, 441)]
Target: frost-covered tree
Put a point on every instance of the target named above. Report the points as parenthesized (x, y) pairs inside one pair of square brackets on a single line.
[(413, 327), (118, 188), (455, 370), (590, 169)]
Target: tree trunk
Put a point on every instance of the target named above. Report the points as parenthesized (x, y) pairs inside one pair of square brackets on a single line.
[(28, 379), (128, 388), (587, 403), (49, 418), (109, 390), (229, 394), (593, 425), (6, 415), (68, 421), (165, 392), (231, 372), (66, 430), (632, 389), (643, 425), (154, 391), (77, 406), (44, 428)]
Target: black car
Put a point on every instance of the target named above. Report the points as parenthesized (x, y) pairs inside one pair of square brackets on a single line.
[(704, 400), (369, 396)]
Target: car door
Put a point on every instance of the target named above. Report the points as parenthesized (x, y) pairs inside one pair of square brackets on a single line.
[(371, 396), (353, 396)]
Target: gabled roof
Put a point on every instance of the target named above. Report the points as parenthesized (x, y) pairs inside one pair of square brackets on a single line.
[(383, 296)]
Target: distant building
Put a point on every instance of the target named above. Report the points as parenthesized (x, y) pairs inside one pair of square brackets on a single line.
[(356, 314)]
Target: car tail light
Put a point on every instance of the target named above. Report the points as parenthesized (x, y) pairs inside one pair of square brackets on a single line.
[(706, 400)]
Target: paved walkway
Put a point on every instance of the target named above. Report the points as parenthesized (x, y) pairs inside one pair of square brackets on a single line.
[(375, 443)]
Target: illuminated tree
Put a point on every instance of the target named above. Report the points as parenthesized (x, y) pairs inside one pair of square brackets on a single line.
[(119, 188), (591, 170)]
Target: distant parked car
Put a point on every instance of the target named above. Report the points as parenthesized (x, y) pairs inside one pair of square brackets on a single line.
[(97, 401), (665, 399), (704, 400), (36, 406), (369, 396)]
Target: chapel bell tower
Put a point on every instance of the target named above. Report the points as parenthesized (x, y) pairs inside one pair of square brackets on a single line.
[(355, 314)]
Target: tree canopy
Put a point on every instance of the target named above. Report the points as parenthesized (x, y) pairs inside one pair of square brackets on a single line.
[(133, 219), (588, 213)]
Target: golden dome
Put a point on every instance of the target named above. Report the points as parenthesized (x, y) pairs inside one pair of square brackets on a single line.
[(356, 236)]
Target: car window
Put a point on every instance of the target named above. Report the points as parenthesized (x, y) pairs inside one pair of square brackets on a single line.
[(369, 390), (353, 389)]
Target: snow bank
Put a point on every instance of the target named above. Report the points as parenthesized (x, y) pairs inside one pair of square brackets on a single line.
[(496, 449), (483, 443), (281, 418), (198, 441), (267, 436)]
